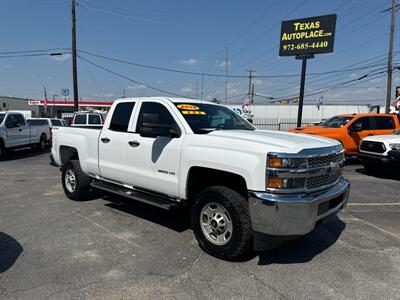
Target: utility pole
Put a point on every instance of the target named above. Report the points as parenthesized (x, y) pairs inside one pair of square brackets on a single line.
[(251, 72), (202, 86), (123, 94), (226, 74), (252, 93), (74, 67), (390, 57), (197, 89)]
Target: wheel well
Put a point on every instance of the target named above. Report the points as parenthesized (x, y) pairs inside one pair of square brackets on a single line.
[(2, 142), (68, 153), (200, 178)]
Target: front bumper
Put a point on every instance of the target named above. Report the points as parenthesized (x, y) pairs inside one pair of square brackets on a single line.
[(392, 157), (292, 215)]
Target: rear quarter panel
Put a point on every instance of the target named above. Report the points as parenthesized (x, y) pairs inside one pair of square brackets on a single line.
[(85, 141)]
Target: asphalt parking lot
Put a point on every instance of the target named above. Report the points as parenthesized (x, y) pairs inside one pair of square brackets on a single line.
[(111, 248)]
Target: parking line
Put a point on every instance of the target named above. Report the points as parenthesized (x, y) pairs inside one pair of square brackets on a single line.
[(374, 204), (376, 227)]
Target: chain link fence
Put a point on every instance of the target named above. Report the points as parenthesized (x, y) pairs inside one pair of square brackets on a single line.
[(281, 124)]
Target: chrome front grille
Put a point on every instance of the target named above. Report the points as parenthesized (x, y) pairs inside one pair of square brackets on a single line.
[(311, 170), (325, 160), (322, 180)]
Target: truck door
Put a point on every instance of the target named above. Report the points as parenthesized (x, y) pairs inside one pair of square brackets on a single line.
[(384, 125), (153, 161), (113, 142), (24, 131), (17, 130), (366, 124)]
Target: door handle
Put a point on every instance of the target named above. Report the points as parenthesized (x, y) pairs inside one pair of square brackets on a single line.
[(133, 143), (105, 140), (20, 129)]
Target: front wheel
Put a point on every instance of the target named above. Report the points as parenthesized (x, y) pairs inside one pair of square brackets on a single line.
[(75, 183), (221, 222), (372, 166)]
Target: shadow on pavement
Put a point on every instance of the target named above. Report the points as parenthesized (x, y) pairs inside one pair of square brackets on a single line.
[(24, 153), (10, 250), (393, 174), (305, 248), (177, 220)]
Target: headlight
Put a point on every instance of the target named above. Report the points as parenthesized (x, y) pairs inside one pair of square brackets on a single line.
[(285, 183), (274, 161), (395, 146)]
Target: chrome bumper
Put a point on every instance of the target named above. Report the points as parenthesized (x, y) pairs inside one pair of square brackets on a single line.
[(295, 214)]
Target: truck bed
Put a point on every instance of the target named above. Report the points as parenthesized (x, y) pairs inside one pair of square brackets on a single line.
[(85, 140)]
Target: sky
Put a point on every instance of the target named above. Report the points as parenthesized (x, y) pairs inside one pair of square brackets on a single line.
[(192, 36)]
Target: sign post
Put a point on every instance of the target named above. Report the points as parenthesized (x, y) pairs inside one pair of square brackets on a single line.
[(303, 38)]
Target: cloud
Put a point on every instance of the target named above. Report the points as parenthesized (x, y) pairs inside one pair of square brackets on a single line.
[(186, 89), (221, 63), (136, 87), (190, 61), (61, 57), (7, 67)]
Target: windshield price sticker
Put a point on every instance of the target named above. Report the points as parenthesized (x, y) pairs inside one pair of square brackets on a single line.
[(307, 36), (193, 112), (188, 107)]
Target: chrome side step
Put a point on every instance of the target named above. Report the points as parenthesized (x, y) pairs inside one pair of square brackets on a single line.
[(141, 196)]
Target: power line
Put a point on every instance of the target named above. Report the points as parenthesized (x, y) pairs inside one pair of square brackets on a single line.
[(132, 80)]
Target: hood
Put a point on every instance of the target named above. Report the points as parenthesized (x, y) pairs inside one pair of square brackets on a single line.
[(283, 141), (315, 130), (391, 138)]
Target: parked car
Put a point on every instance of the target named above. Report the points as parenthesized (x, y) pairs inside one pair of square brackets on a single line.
[(381, 153), (17, 132), (51, 122), (349, 130), (242, 185), (88, 119)]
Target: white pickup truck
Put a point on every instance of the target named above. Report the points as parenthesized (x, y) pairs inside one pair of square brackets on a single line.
[(381, 152), (243, 186), (16, 132)]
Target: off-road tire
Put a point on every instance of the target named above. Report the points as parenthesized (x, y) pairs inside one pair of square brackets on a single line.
[(2, 150), (41, 146), (238, 208), (82, 181), (371, 167)]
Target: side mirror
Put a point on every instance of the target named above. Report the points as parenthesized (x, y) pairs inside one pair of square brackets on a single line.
[(355, 128)]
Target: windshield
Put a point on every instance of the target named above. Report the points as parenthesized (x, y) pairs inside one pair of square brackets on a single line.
[(204, 118), (2, 117), (336, 122)]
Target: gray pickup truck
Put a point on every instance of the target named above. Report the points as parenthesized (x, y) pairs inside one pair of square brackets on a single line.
[(16, 132)]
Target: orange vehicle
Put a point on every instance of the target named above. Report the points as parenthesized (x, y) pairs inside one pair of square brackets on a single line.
[(351, 129)]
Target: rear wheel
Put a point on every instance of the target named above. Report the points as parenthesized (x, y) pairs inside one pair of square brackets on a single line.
[(75, 183), (42, 143), (221, 222), (2, 151)]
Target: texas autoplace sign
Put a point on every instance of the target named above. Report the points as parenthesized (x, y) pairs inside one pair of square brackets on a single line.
[(307, 36)]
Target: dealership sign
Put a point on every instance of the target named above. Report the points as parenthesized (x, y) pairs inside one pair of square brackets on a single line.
[(307, 36)]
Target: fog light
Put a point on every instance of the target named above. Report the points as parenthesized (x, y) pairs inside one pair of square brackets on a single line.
[(276, 183)]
